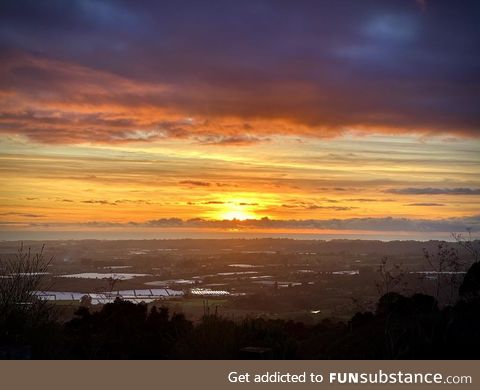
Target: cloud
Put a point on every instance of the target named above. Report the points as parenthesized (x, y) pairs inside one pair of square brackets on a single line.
[(113, 203), (426, 204), (202, 72), (422, 4), (196, 183), (313, 206), (375, 224), (165, 222), (25, 215), (434, 191), (368, 200), (102, 202), (237, 140), (335, 208), (446, 225)]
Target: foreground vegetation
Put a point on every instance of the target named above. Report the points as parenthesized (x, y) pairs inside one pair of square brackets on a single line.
[(401, 327)]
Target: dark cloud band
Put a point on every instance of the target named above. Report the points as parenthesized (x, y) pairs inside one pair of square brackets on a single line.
[(317, 68), (389, 224)]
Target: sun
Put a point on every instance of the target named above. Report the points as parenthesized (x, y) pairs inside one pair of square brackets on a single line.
[(239, 215), (238, 208)]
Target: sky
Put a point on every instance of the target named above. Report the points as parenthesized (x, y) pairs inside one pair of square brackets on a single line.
[(318, 118)]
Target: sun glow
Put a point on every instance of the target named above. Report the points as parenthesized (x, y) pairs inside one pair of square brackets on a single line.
[(239, 215)]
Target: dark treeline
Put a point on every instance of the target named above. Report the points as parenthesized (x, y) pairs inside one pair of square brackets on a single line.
[(400, 328)]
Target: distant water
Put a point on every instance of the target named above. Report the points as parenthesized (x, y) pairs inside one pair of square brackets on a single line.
[(98, 275), (439, 272), (164, 234)]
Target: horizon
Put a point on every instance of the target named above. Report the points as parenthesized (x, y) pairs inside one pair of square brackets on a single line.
[(48, 236)]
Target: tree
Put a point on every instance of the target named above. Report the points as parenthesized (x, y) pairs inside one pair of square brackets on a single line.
[(470, 287), (389, 276), (21, 312), (446, 264), (21, 277), (470, 245)]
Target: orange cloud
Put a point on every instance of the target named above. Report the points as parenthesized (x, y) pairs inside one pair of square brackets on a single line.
[(58, 102)]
